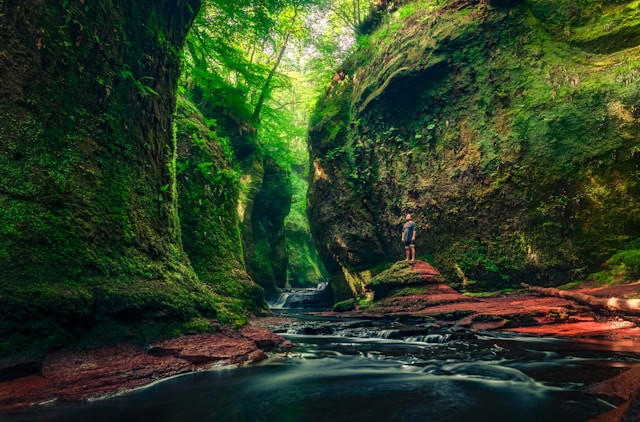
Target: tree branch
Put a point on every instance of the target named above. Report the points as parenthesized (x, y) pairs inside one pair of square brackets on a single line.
[(630, 306)]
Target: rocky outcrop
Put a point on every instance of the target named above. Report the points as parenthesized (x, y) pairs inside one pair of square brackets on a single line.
[(267, 254), (208, 193), (80, 375), (521, 312), (624, 389), (264, 204), (510, 129), (403, 274), (87, 188)]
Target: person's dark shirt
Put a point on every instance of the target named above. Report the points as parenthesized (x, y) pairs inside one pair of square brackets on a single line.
[(407, 231)]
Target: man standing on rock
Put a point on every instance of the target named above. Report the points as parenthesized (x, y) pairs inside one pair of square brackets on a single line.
[(408, 238)]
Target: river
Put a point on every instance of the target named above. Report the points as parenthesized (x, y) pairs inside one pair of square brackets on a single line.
[(388, 370)]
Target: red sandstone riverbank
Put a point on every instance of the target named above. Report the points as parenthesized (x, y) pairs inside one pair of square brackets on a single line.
[(79, 375), (530, 313), (533, 314)]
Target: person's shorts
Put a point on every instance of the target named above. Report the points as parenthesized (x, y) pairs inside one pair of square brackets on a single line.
[(408, 244)]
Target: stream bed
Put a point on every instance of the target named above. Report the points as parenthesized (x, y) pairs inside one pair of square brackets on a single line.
[(387, 370)]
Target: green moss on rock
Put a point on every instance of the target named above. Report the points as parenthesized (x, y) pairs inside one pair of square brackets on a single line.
[(208, 191), (345, 306), (622, 267), (90, 234), (508, 130), (400, 274)]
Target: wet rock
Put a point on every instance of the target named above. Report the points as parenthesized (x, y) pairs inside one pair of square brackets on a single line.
[(319, 330), (624, 390), (620, 388), (633, 411), (265, 339), (77, 375)]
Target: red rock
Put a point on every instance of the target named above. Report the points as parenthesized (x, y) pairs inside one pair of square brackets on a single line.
[(620, 387), (624, 387), (426, 271), (76, 375)]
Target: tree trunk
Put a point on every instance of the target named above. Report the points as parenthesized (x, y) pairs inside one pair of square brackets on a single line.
[(267, 84), (630, 306)]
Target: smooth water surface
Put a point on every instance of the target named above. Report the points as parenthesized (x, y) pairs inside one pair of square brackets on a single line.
[(360, 371)]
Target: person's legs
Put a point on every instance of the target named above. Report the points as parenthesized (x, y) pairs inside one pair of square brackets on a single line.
[(413, 253), (408, 252)]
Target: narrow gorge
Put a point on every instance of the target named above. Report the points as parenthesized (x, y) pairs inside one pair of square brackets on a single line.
[(190, 187)]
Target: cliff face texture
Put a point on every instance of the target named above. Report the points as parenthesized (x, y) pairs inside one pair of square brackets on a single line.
[(511, 128), (267, 255), (208, 194), (88, 208)]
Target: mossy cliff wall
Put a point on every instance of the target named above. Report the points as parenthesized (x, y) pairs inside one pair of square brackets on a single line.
[(261, 188), (304, 267), (264, 204), (208, 193), (87, 187), (511, 128)]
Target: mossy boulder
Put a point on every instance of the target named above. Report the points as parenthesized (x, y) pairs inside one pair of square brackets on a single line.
[(511, 129), (345, 306), (401, 275)]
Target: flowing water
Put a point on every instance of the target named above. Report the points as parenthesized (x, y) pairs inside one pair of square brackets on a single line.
[(318, 297), (393, 370)]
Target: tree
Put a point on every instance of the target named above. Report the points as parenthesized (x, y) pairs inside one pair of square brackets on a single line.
[(351, 13)]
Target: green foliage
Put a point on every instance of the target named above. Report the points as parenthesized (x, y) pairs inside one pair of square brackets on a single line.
[(232, 65), (622, 267), (143, 89)]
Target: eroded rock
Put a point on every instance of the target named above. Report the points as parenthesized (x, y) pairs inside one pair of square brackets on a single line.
[(78, 375)]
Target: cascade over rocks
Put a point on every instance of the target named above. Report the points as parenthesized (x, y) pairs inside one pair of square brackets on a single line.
[(510, 128)]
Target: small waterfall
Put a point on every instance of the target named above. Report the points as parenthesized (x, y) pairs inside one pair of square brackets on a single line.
[(281, 301), (386, 334), (319, 297), (430, 338)]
